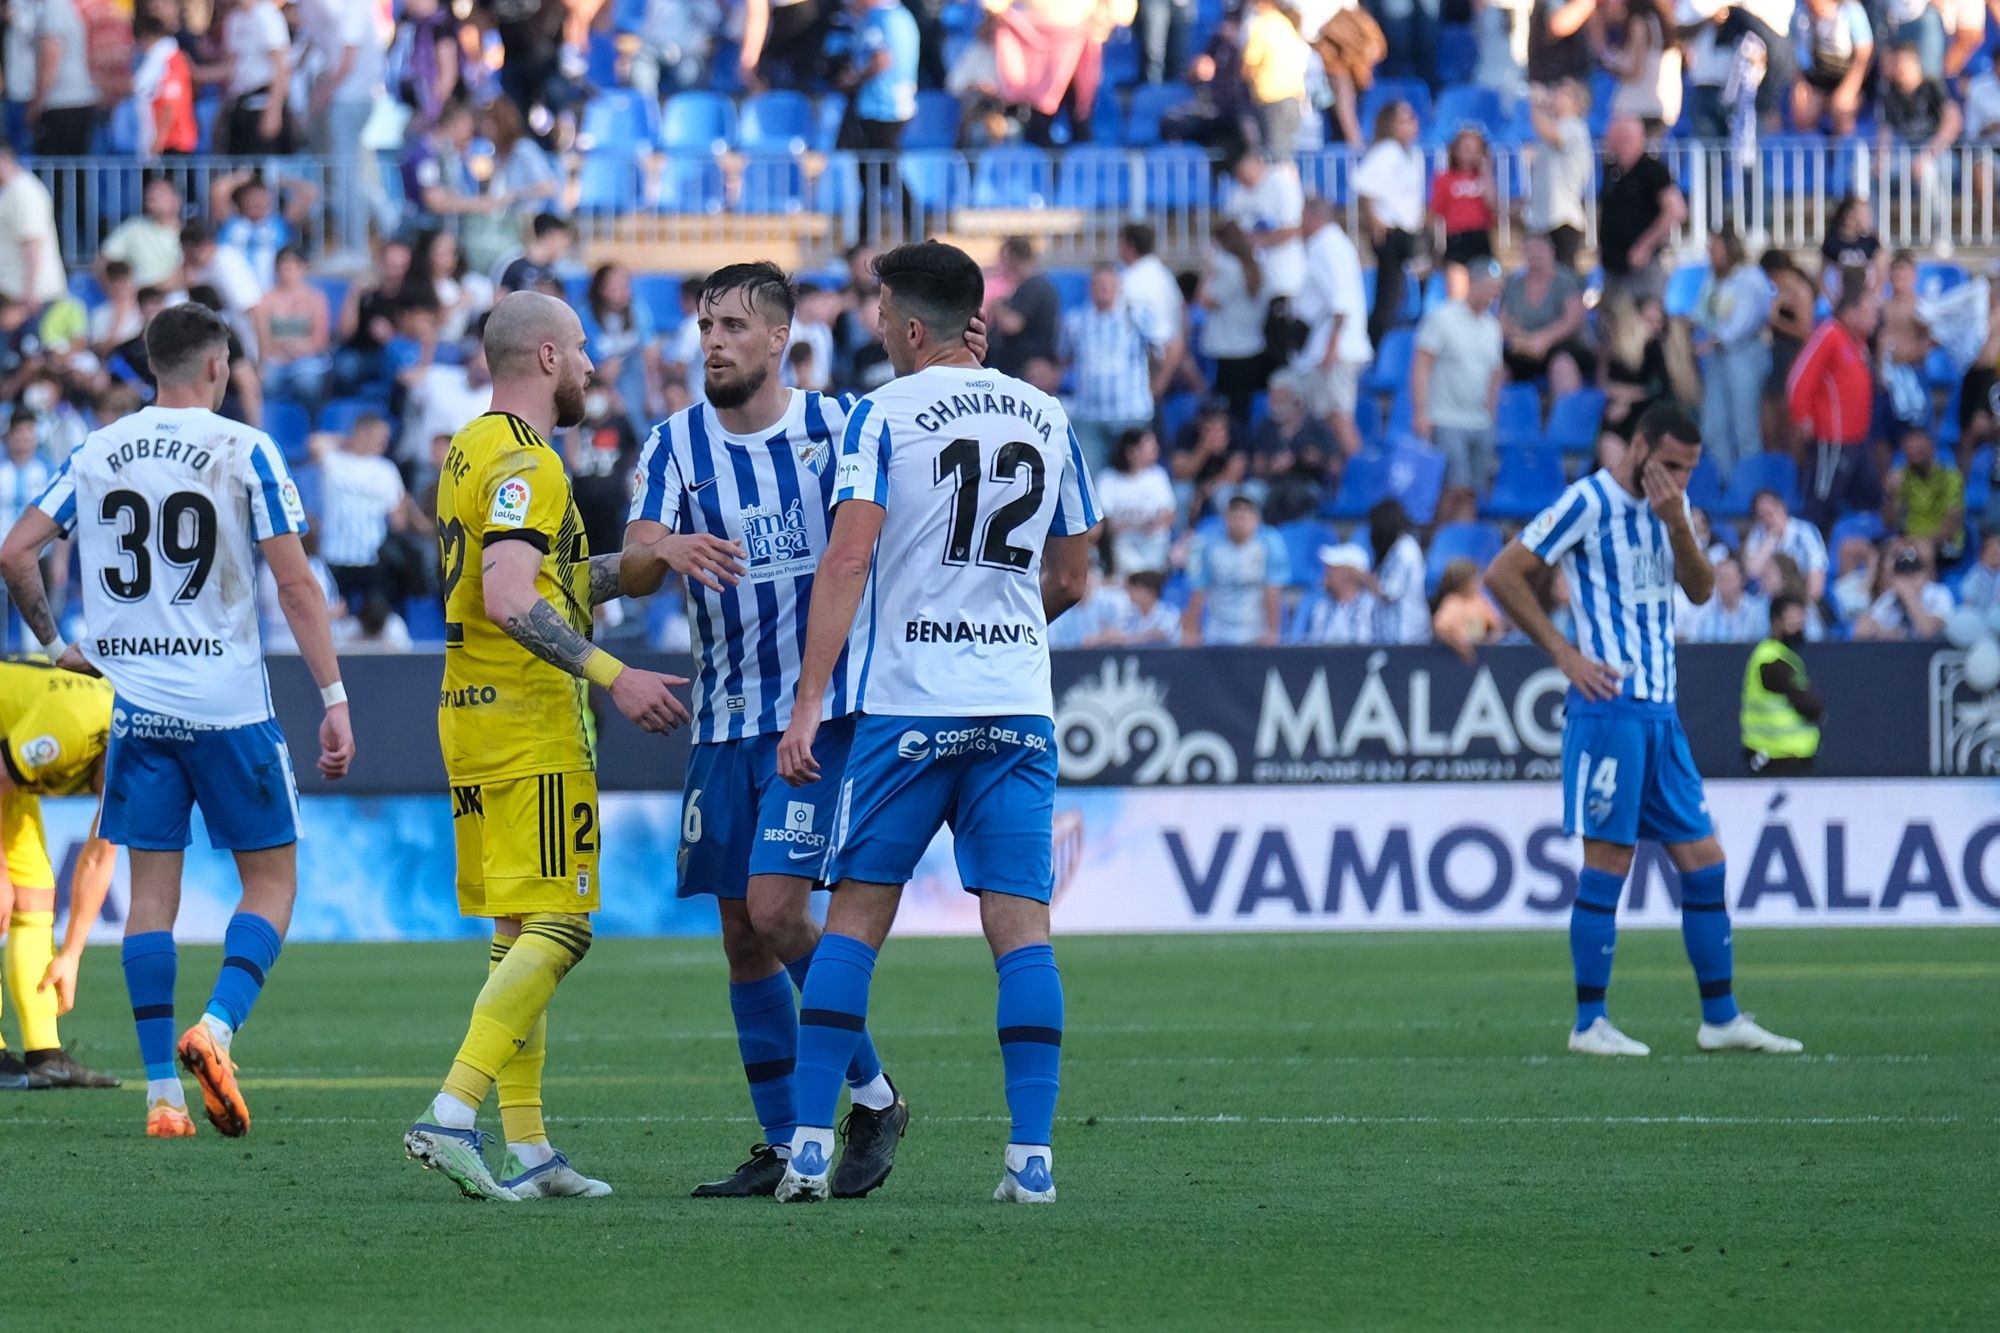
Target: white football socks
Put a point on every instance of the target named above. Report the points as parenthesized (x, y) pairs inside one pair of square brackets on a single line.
[(219, 1030), (875, 1094), (804, 1135), (452, 1113), (532, 1155), (1019, 1153), (166, 1090)]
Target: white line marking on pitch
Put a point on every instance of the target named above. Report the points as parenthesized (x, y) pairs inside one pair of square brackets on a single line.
[(1223, 1119)]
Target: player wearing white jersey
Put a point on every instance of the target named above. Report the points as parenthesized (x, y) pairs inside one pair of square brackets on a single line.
[(963, 526), (167, 505), (1624, 537), (735, 492)]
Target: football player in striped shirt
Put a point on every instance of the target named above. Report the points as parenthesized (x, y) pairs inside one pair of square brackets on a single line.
[(1624, 537), (734, 492)]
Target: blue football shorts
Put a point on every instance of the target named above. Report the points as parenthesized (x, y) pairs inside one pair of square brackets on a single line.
[(1628, 774), (739, 818), (159, 768)]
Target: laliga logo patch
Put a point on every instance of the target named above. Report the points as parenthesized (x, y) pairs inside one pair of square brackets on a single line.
[(1540, 528), (913, 745), (42, 751), (288, 496), (510, 504)]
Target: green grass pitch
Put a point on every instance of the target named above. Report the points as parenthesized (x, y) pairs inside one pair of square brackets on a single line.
[(1278, 1131)]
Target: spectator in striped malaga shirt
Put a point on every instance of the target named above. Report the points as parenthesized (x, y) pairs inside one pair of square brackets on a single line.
[(1113, 348)]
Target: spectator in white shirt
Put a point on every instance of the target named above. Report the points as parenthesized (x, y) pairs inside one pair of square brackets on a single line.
[(442, 398), (1136, 497), (1399, 573), (150, 242), (1343, 611), (1268, 204), (1456, 376), (1113, 349), (1734, 306), (1390, 182), (1239, 580), (1234, 294), (260, 73), (218, 266), (116, 319), (1982, 105), (1733, 615), (1979, 590), (31, 267), (1334, 307), (350, 53), (1150, 285), (1560, 170), (363, 501), (1913, 605), (1774, 531)]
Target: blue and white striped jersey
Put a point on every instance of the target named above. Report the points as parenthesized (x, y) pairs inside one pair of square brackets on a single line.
[(20, 483), (773, 493), (1620, 565), (167, 505), (975, 470)]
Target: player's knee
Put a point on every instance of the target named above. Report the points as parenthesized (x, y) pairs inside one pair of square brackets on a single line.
[(570, 931), (1608, 857), (740, 942), (783, 922)]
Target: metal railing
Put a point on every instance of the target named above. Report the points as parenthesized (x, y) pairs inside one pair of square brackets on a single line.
[(1071, 201), (92, 195)]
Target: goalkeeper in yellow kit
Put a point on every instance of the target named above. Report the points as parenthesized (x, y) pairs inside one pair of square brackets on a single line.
[(514, 724), (53, 729)]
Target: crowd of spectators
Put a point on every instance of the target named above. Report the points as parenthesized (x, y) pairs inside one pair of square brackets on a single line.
[(1237, 412)]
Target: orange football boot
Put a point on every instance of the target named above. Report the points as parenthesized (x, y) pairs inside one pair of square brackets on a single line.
[(216, 1073), (164, 1120)]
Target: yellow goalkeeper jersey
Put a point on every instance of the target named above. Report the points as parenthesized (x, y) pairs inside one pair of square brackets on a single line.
[(503, 712), (56, 724)]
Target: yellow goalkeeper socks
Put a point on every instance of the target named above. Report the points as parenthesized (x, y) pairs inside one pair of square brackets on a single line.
[(31, 946), (514, 1000), (520, 1079)]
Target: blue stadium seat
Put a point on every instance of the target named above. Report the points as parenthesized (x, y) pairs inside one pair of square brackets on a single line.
[(1518, 424), (603, 59), (1935, 277), (1151, 102), (1094, 179), (1363, 483), (1528, 482), (1866, 525), (1435, 291), (335, 291), (120, 135), (1013, 177), (1705, 484), (83, 287), (1575, 420), (1176, 410), (340, 414), (1391, 369), (938, 180), (828, 113), (774, 122), (1941, 374), (1684, 290), (608, 183), (424, 618), (1123, 62), (936, 123), (617, 118), (306, 477), (1303, 538), (836, 191), (772, 184), (1761, 472), (1477, 542), (660, 294), (1416, 478), (1386, 91), (1178, 176), (689, 185), (288, 424), (1457, 53), (1107, 119), (1072, 287), (1467, 104), (1979, 481), (698, 122)]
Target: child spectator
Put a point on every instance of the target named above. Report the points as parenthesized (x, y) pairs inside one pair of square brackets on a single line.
[(1464, 208), (1464, 620), (1136, 497)]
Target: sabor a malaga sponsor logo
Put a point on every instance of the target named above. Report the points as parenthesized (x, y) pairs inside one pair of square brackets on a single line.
[(1119, 718), (1965, 722)]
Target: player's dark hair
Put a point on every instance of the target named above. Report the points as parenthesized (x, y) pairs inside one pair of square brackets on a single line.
[(1784, 602), (195, 232), (1150, 579), (116, 270), (937, 283), (1661, 420), (1241, 501), (1128, 440), (1140, 236), (20, 419), (764, 285), (181, 336), (549, 222)]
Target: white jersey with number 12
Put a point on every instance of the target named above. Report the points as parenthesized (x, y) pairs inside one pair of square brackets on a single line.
[(974, 471), (167, 505)]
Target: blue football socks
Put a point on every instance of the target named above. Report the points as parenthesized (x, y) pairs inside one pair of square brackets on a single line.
[(832, 1015), (866, 1065), (250, 947), (767, 1034), (1030, 1019), (1593, 938), (1705, 932), (150, 967)]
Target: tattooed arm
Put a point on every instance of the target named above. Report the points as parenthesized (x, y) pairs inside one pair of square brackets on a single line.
[(21, 563), (508, 569), (604, 584)]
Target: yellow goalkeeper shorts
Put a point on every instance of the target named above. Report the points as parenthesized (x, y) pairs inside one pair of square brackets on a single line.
[(27, 842), (527, 844)]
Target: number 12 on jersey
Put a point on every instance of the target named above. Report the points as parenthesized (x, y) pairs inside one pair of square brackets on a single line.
[(958, 463)]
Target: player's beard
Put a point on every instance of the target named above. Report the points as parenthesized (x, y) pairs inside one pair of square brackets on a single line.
[(728, 394), (570, 400)]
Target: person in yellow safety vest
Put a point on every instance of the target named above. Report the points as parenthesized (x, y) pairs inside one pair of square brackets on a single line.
[(1781, 713)]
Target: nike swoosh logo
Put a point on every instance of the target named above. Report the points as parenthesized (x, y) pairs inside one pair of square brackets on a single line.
[(702, 485), (800, 856)]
